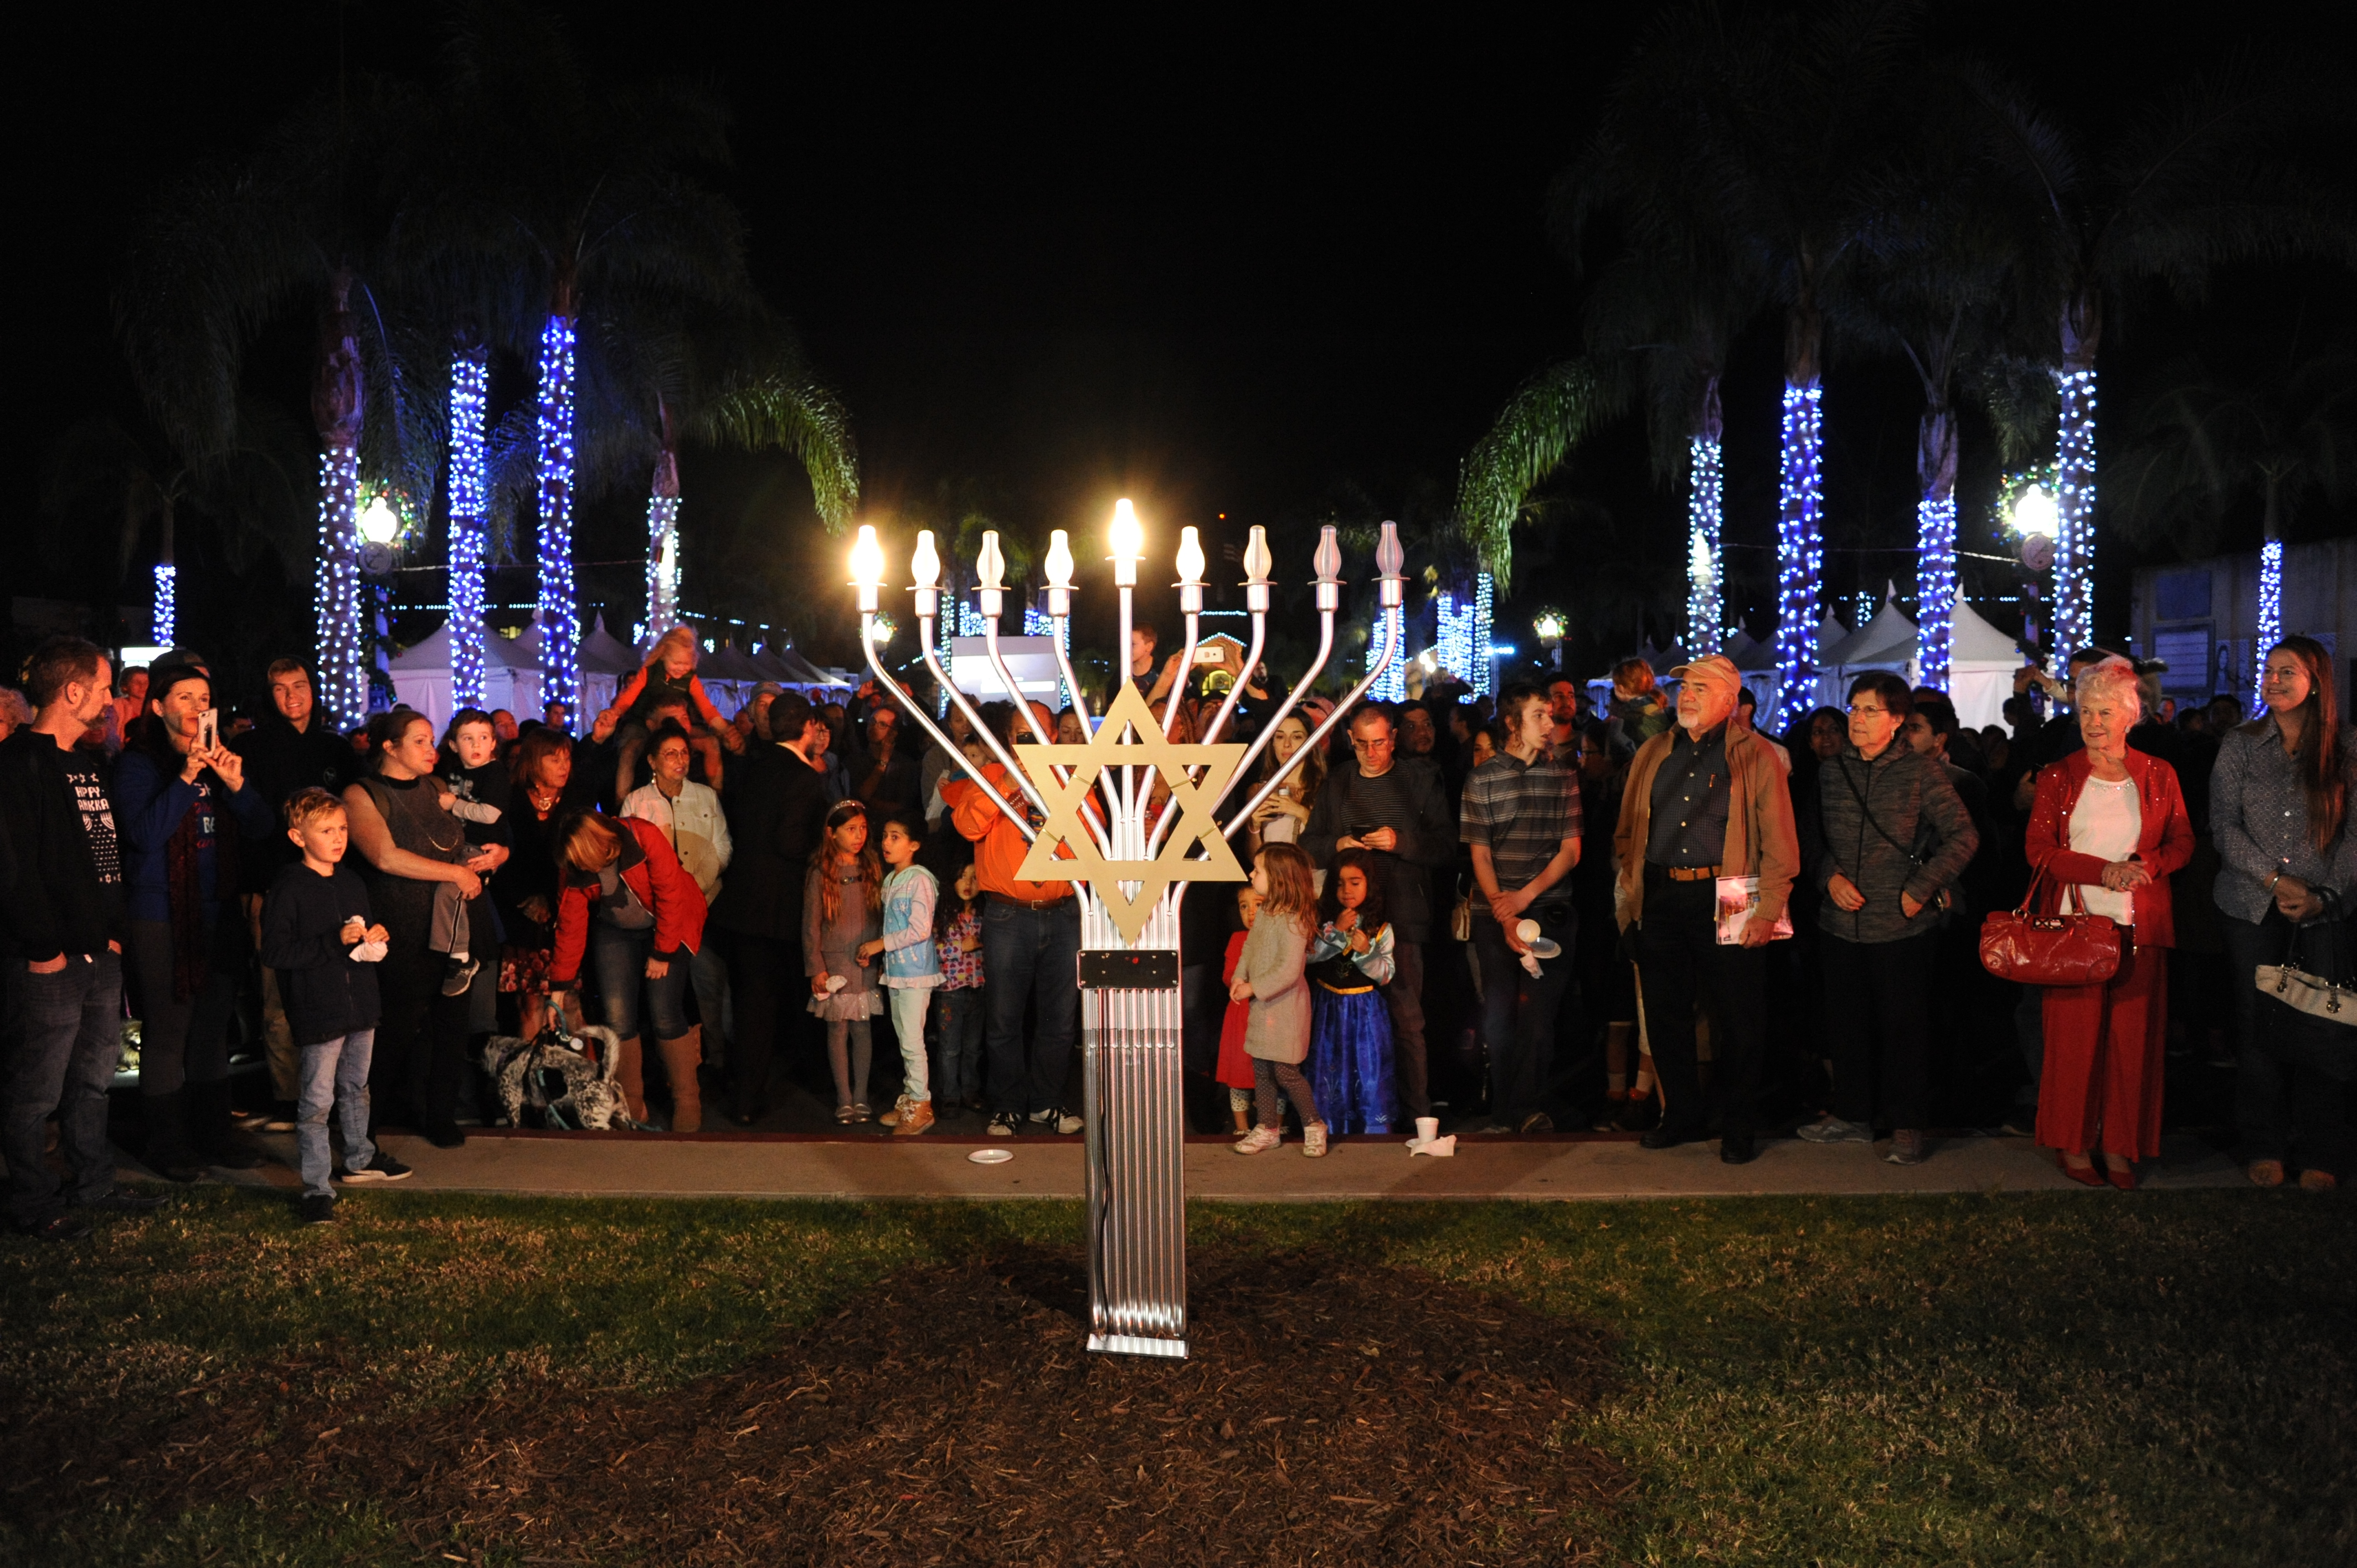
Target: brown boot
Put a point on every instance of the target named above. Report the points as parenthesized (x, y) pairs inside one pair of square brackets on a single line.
[(916, 1116), (680, 1058), (626, 1073)]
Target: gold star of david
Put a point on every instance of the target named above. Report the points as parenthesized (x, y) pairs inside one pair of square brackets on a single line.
[(1198, 821)]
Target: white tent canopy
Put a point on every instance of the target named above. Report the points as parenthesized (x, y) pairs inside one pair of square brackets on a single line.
[(421, 674)]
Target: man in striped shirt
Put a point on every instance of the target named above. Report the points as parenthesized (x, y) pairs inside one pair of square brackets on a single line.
[(1521, 816)]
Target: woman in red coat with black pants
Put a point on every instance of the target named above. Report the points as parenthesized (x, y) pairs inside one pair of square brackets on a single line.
[(2108, 827), (627, 899)]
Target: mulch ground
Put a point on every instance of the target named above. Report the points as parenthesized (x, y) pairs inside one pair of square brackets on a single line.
[(1330, 1411)]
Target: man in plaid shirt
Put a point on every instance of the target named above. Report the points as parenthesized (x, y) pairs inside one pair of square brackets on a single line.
[(1521, 816)]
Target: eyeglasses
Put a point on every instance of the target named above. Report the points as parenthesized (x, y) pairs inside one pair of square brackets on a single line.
[(1860, 710)]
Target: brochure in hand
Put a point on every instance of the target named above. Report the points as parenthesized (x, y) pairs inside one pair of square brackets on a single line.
[(1738, 896)]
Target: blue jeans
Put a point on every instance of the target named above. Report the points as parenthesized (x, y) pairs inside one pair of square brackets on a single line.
[(957, 1061), (61, 1056), (1518, 1012), (1029, 953), (621, 958), (708, 974), (333, 1074)]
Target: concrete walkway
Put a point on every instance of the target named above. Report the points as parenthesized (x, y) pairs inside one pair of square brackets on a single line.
[(1558, 1167)]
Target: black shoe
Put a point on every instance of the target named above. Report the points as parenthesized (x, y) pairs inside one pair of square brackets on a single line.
[(458, 974), (319, 1208), (121, 1202), (1006, 1125), (1538, 1122), (449, 1135), (384, 1168), (62, 1227), (1737, 1149), (1639, 1115), (1668, 1136)]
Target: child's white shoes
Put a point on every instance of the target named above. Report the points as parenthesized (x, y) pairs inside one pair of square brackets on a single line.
[(1313, 1141), (1259, 1141)]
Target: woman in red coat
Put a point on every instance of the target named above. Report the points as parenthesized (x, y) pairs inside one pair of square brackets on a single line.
[(627, 899), (2108, 828)]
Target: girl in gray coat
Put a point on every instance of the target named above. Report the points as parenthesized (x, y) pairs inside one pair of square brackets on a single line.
[(1269, 977)]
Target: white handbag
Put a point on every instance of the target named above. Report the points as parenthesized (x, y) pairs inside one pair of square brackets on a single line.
[(2322, 999)]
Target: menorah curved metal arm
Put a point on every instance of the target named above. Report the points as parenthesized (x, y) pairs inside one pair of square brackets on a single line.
[(1317, 736), (993, 607), (917, 711)]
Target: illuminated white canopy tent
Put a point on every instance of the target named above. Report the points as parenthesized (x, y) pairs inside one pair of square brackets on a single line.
[(421, 674), (1981, 661)]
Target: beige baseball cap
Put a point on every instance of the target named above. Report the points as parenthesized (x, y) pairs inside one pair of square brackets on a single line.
[(1717, 669)]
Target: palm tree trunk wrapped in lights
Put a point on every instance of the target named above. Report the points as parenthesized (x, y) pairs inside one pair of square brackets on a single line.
[(560, 623), (1705, 512), (662, 531), (1800, 520), (1936, 545), (2075, 477), (337, 406), (469, 502)]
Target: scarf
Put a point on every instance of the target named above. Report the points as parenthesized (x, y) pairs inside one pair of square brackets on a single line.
[(192, 949)]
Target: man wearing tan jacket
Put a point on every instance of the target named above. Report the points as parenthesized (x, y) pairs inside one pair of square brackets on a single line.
[(1704, 800)]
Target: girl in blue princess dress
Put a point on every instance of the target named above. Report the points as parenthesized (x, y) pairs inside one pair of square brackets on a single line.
[(1351, 1033)]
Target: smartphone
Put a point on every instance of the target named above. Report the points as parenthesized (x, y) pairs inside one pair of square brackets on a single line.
[(208, 730), (1209, 653)]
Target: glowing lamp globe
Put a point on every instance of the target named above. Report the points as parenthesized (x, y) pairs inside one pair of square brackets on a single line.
[(925, 565), (866, 559), (2034, 511), (1060, 559), (379, 523)]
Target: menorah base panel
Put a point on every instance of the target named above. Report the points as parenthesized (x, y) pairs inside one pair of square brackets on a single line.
[(1136, 1149)]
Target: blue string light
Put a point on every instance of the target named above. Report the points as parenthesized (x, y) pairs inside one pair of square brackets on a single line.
[(1455, 640), (469, 492), (662, 564), (1392, 685), (2270, 557), (2074, 505), (1800, 551), (336, 590), (560, 625), (165, 616), (1935, 588), (1485, 659), (1705, 512)]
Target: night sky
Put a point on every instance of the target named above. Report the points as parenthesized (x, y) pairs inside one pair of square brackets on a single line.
[(1241, 267)]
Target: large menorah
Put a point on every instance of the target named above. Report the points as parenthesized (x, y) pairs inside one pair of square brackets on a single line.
[(1098, 827)]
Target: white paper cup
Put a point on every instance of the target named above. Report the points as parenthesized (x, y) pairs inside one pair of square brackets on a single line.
[(1427, 1128)]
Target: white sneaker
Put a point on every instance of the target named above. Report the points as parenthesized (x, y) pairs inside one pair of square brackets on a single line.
[(1833, 1130), (1260, 1140), (1313, 1141)]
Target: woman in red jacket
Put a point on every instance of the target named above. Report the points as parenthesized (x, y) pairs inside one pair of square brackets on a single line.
[(2108, 828), (627, 899)]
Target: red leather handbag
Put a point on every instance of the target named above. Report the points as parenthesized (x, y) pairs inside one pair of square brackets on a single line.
[(2048, 949)]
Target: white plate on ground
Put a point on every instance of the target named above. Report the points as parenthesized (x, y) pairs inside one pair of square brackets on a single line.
[(991, 1157)]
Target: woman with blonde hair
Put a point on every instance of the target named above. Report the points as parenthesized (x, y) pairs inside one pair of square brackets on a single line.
[(2278, 812), (2107, 828)]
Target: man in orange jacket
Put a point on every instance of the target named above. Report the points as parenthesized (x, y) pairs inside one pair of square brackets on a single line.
[(1030, 946)]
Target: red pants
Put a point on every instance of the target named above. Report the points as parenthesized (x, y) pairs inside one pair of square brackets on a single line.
[(2101, 1088)]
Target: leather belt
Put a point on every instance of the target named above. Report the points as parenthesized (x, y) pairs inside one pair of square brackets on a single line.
[(1689, 872), (1028, 903)]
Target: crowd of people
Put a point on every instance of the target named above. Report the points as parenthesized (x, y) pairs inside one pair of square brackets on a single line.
[(1519, 916)]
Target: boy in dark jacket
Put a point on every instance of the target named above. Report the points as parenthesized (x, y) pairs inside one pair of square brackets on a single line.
[(315, 932)]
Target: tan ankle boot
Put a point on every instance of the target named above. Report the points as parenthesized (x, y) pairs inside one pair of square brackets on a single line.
[(626, 1073), (680, 1058)]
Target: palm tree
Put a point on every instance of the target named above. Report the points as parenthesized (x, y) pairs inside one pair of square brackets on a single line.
[(1765, 124), (1530, 439), (2278, 434), (588, 195), (2209, 175), (738, 379), (303, 224), (1937, 260)]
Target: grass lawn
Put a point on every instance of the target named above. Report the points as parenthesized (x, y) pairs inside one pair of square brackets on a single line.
[(2054, 1379)]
